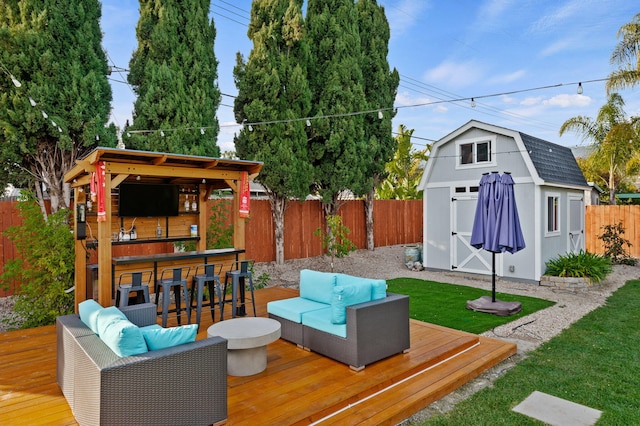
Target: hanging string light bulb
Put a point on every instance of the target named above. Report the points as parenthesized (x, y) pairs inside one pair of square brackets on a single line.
[(473, 103), (32, 102), (579, 88), (308, 123), (15, 81), (380, 115), (202, 130)]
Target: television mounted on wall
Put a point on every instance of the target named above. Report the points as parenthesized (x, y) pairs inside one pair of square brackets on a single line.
[(148, 200)]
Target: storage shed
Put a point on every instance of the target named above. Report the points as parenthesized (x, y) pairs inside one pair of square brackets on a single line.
[(549, 192)]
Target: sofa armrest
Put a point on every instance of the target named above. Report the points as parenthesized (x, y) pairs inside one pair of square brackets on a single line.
[(380, 328), (185, 384)]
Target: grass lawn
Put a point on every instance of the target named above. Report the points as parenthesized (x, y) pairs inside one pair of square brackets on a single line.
[(595, 362), (445, 304)]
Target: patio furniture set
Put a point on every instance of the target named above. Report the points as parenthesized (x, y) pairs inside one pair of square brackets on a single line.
[(118, 366)]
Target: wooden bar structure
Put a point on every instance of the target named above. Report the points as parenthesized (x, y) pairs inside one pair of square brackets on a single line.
[(201, 175)]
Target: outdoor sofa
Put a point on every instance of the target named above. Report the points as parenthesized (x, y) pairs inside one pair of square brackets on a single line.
[(350, 319), (179, 385)]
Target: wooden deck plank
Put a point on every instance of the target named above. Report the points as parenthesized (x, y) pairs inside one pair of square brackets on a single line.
[(298, 387)]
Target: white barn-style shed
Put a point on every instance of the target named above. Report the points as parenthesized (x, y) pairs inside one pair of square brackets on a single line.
[(549, 191)]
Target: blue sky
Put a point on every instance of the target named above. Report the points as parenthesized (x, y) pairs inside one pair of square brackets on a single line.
[(495, 51)]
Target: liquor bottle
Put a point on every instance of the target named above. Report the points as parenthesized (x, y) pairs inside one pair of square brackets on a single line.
[(194, 204), (186, 203)]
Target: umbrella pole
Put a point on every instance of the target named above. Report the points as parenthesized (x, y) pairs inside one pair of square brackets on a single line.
[(493, 277)]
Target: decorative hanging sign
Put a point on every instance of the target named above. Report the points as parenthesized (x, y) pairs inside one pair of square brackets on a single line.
[(245, 195), (100, 191)]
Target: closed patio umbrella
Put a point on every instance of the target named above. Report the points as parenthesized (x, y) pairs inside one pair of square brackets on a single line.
[(496, 228)]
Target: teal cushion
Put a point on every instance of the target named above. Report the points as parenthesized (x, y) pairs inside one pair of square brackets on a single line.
[(88, 311), (344, 296), (321, 320), (106, 316), (378, 289), (317, 286), (293, 308), (124, 338), (160, 338)]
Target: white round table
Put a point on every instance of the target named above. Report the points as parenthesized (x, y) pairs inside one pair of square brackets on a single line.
[(247, 343)]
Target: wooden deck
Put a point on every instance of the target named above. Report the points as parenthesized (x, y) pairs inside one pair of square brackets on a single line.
[(297, 388)]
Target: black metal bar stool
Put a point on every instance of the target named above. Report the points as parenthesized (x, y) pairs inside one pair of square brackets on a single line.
[(237, 273), (170, 278), (133, 282), (207, 274)]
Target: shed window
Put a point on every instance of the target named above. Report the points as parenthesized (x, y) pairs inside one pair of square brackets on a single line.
[(553, 214), (475, 152)]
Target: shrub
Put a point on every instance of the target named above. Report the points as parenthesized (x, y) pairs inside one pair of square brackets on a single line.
[(580, 265), (44, 265), (335, 240), (614, 244)]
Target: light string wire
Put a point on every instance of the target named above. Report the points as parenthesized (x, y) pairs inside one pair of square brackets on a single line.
[(369, 111), (33, 103)]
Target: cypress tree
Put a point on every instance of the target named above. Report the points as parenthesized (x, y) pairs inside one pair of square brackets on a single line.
[(338, 147), (273, 86), (55, 52), (380, 88), (173, 72)]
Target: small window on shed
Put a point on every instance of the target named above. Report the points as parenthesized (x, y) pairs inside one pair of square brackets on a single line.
[(460, 189), (553, 214), (477, 152), (474, 188)]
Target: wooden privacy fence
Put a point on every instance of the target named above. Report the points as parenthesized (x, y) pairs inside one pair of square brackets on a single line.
[(599, 216), (395, 222)]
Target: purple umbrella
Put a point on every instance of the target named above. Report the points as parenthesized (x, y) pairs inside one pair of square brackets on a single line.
[(496, 226)]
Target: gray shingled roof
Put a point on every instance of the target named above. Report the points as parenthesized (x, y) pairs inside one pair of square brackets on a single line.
[(554, 163)]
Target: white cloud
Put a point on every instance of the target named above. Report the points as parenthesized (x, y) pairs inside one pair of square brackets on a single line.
[(456, 74), (508, 78), (559, 16), (404, 99), (560, 45), (531, 100), (508, 99), (442, 108), (403, 16), (566, 100)]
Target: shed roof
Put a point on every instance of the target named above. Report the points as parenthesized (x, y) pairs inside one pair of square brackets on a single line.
[(554, 163)]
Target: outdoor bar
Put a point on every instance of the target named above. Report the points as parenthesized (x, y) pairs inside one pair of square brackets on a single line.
[(125, 197)]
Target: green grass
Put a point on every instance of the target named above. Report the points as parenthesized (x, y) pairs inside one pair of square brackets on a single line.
[(595, 362), (445, 304)]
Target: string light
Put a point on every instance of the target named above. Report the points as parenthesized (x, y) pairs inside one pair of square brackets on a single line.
[(308, 122), (162, 133), (579, 88), (32, 102), (15, 81), (473, 103), (380, 115), (202, 130), (45, 115)]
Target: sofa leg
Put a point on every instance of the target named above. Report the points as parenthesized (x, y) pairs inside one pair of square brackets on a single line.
[(220, 423), (406, 351), (303, 348), (356, 369)]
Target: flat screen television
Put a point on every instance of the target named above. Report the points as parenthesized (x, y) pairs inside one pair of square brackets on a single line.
[(146, 200)]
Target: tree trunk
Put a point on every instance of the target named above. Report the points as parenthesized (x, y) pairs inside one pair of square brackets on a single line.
[(278, 207), (612, 186), (368, 211)]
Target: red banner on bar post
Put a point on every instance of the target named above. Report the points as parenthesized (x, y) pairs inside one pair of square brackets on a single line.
[(245, 195)]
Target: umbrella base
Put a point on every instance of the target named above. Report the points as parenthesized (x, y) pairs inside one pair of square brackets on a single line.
[(500, 308)]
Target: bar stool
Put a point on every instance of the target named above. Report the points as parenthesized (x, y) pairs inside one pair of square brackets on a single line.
[(170, 278), (134, 282), (237, 273), (209, 274)]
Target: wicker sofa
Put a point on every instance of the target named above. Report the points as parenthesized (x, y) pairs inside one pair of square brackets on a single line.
[(185, 384), (372, 329)]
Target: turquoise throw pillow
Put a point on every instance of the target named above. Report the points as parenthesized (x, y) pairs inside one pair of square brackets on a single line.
[(124, 338), (344, 296), (160, 338), (88, 311), (317, 286), (106, 316), (378, 289)]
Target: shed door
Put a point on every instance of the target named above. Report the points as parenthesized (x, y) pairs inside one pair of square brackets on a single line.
[(464, 257), (575, 241)]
